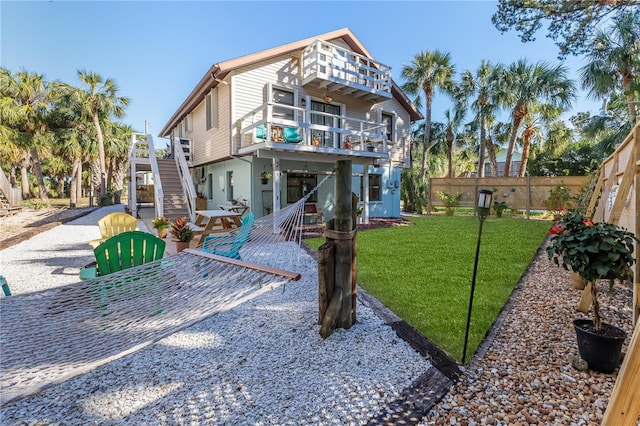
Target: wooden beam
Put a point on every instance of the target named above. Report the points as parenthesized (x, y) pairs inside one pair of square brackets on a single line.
[(636, 279), (623, 192), (596, 194), (600, 214), (624, 405), (295, 276)]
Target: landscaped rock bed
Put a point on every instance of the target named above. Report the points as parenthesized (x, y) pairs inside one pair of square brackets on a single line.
[(523, 374)]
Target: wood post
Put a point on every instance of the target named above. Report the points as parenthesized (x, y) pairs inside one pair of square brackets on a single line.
[(336, 269), (325, 277), (624, 405)]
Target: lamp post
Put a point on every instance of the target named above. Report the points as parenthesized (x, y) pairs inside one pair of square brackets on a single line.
[(484, 204)]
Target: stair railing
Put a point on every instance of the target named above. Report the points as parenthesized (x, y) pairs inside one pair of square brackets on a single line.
[(185, 178), (157, 182), (13, 195)]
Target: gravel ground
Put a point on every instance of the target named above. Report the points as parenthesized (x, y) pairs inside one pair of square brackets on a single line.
[(260, 363), (263, 363)]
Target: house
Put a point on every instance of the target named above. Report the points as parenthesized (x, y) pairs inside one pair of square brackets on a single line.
[(501, 158), (290, 113)]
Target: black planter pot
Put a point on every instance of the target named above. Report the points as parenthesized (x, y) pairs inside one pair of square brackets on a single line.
[(601, 351), (264, 181)]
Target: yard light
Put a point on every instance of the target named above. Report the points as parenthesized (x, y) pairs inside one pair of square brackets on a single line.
[(484, 204)]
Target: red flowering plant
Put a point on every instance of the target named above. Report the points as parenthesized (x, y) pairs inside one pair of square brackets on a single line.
[(594, 250)]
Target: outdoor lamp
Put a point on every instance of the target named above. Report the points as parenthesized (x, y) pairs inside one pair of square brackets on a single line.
[(484, 202)]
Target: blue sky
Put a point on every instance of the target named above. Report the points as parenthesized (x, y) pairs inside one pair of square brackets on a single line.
[(157, 51)]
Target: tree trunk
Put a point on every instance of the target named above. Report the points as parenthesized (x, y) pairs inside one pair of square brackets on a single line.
[(102, 177), (94, 165), (627, 82), (120, 170), (527, 136), (427, 135), (73, 193), (491, 153), (37, 170), (24, 177), (80, 183), (482, 144), (518, 114), (60, 189), (450, 139)]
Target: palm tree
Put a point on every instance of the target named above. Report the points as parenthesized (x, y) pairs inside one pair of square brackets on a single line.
[(614, 62), (427, 72), (453, 119), (99, 100), (540, 118), (522, 84), (118, 148), (482, 85), (26, 98)]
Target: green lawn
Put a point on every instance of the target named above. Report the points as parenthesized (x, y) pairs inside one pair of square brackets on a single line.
[(423, 272)]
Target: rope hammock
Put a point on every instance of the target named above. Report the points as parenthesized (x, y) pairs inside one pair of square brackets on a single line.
[(106, 318)]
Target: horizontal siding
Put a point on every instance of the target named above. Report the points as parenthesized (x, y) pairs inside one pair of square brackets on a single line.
[(213, 144), (249, 85)]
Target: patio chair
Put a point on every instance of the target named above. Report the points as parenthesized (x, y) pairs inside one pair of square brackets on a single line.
[(123, 251), (114, 224), (292, 135), (229, 245)]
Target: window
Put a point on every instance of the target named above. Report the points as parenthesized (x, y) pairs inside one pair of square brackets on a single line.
[(211, 108), (284, 97), (299, 185), (326, 138), (388, 131), (375, 194), (229, 186), (186, 125)]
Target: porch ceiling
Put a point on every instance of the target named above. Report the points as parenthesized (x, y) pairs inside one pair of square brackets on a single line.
[(317, 154)]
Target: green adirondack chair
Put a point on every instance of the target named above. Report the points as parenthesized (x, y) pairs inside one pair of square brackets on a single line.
[(123, 251)]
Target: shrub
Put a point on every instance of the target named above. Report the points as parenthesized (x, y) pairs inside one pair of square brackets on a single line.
[(451, 201)]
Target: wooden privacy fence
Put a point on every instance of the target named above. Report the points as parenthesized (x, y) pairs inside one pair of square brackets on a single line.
[(616, 200), (523, 193)]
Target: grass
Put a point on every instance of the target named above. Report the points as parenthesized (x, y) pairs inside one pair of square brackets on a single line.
[(423, 272)]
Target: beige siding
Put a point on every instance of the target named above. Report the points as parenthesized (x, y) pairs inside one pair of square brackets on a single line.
[(213, 144), (249, 91)]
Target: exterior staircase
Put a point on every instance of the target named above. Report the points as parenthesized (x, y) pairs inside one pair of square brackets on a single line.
[(174, 198), (10, 197)]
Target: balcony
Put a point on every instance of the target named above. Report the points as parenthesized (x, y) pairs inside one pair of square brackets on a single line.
[(278, 127), (336, 69)]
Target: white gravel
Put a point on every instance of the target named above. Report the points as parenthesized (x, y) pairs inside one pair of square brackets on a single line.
[(260, 363), (54, 257)]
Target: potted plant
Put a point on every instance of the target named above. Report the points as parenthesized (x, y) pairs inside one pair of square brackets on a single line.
[(347, 143), (451, 201), (162, 224), (182, 233), (499, 207), (595, 251), (369, 144), (264, 177), (315, 140)]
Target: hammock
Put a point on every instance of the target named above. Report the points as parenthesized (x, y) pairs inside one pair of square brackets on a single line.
[(271, 230), (106, 318)]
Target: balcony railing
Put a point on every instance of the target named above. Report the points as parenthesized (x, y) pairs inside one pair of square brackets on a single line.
[(338, 69), (278, 126)]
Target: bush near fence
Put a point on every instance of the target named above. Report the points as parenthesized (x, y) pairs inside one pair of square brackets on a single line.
[(530, 191)]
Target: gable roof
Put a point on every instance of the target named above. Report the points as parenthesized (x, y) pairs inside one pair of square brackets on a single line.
[(219, 71)]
